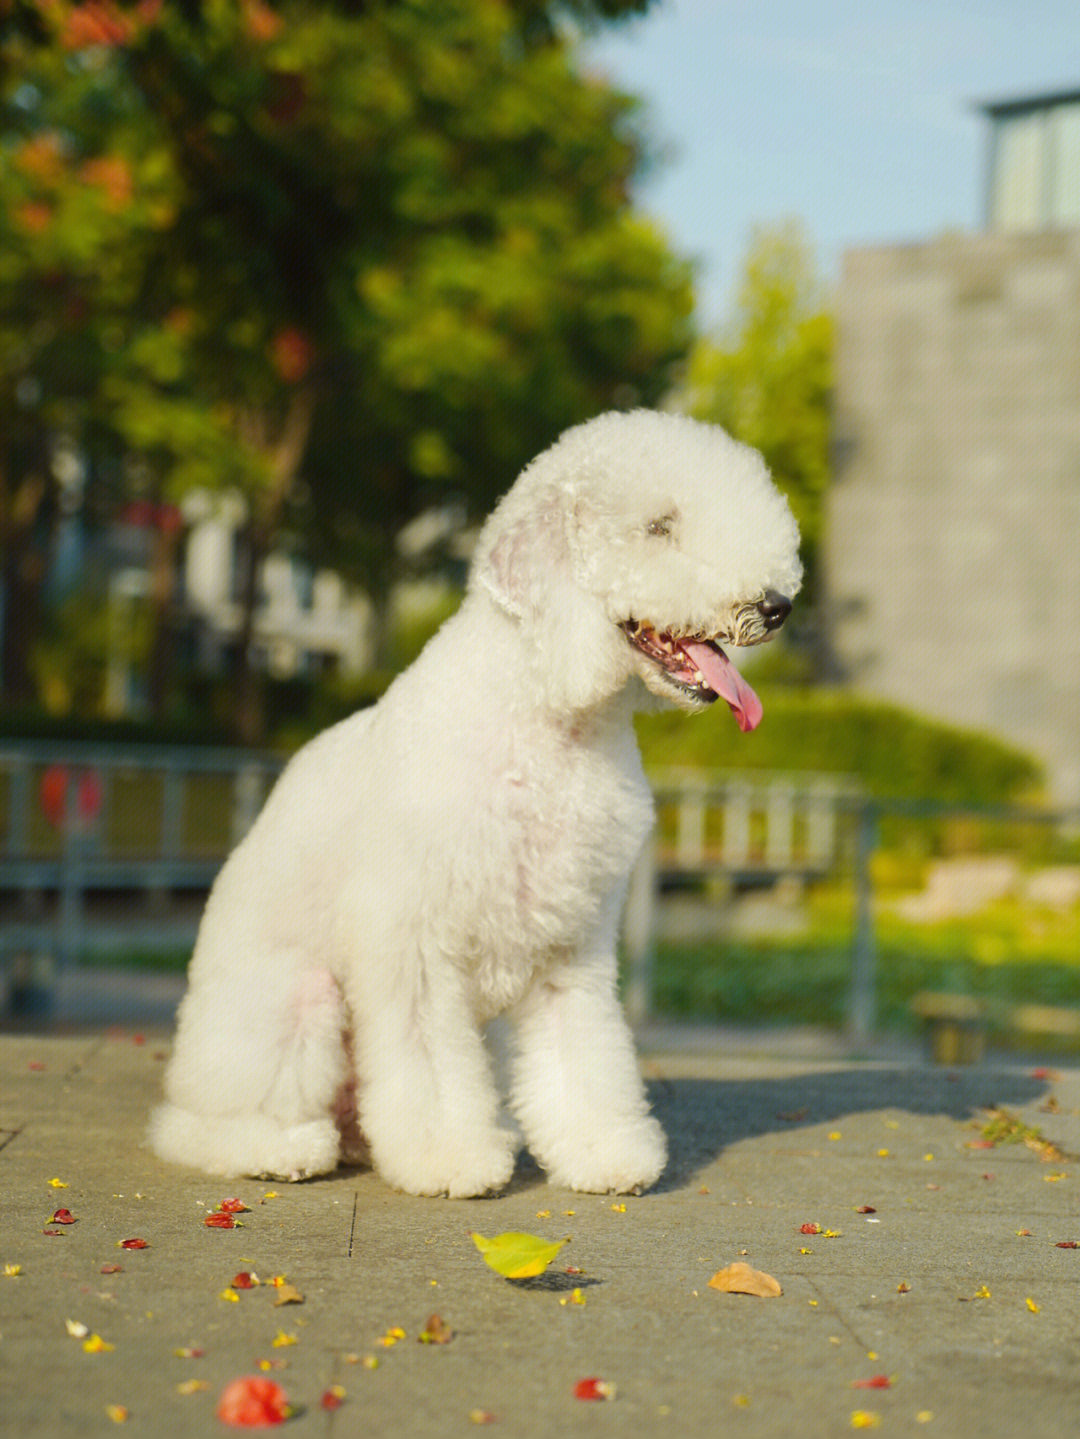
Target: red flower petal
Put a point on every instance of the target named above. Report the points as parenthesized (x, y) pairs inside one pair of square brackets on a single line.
[(810, 1228), (243, 1280), (331, 1400), (593, 1388), (252, 1403), (134, 1244), (1067, 1244), (112, 1269), (63, 1216), (233, 1206), (876, 1381), (217, 1220)]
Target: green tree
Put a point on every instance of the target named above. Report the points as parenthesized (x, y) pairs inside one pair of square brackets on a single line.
[(768, 376), (397, 254)]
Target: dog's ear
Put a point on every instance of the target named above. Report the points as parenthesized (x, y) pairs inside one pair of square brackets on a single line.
[(526, 561), (521, 553)]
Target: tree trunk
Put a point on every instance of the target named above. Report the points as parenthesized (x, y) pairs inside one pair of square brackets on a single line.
[(161, 666), (24, 567), (283, 450)]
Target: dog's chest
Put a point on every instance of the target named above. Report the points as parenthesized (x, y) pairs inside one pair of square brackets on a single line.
[(569, 822)]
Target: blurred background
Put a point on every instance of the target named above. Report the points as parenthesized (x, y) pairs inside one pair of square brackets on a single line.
[(290, 292)]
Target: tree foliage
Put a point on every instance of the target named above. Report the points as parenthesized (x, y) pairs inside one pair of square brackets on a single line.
[(345, 258), (768, 376)]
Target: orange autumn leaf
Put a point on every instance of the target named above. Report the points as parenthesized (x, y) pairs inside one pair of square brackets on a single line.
[(739, 1278)]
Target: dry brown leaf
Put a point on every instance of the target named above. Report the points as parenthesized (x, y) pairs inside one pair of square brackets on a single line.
[(288, 1294), (739, 1278)]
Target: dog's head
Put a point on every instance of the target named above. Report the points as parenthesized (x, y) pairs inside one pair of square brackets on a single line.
[(641, 544)]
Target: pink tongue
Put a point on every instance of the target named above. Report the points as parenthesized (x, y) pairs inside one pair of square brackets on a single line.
[(722, 676)]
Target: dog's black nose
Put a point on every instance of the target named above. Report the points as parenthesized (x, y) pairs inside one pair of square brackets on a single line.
[(774, 609)]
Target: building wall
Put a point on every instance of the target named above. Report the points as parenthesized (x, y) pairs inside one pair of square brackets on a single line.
[(953, 557)]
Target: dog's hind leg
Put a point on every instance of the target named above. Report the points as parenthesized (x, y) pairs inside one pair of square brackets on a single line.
[(255, 1075)]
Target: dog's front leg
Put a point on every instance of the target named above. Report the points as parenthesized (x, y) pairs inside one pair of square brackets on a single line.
[(577, 1091), (426, 1096)]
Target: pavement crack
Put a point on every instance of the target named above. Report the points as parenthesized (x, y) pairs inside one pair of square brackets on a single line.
[(352, 1224), (7, 1135)]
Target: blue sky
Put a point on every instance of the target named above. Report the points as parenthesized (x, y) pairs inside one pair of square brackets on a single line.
[(856, 116)]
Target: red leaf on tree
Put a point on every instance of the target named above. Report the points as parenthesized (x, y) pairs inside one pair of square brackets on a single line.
[(252, 1403)]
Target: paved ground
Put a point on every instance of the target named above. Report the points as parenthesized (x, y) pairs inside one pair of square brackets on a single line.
[(950, 1282)]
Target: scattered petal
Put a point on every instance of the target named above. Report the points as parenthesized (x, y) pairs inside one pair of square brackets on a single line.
[(1031, 1304), (231, 1295), (903, 1287), (835, 1135), (517, 1256), (281, 1339), (865, 1209), (58, 1184), (481, 1416), (435, 1331), (619, 1208), (63, 1216), (132, 1244), (739, 1278), (219, 1220), (810, 1228), (876, 1381), (12, 1271), (594, 1388), (117, 1413), (863, 1419), (192, 1386), (189, 1353), (391, 1337), (1067, 1244), (253, 1402), (1024, 1233), (112, 1269), (332, 1398), (574, 1297), (233, 1206), (244, 1280), (96, 1345), (288, 1294), (76, 1328)]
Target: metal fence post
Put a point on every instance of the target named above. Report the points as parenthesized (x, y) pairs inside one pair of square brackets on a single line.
[(638, 921), (862, 1012)]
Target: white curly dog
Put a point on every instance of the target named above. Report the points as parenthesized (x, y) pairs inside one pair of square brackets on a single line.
[(462, 849)]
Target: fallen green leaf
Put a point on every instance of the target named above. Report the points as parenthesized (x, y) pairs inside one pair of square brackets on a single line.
[(517, 1256)]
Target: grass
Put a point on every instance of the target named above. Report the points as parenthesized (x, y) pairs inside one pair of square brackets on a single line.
[(1009, 954)]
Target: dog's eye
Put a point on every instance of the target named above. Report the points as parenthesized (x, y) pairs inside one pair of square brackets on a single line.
[(661, 526)]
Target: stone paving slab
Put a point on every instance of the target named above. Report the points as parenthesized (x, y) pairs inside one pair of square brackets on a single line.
[(761, 1145)]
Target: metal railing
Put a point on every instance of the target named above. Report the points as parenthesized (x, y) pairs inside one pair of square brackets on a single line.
[(83, 822)]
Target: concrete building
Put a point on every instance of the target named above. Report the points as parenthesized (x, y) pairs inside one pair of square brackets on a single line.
[(953, 557)]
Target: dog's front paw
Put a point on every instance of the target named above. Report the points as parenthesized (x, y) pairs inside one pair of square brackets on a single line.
[(624, 1159), (462, 1170)]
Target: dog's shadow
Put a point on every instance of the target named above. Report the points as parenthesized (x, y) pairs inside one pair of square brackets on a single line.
[(703, 1117)]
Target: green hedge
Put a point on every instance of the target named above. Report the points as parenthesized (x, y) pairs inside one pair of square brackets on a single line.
[(889, 751)]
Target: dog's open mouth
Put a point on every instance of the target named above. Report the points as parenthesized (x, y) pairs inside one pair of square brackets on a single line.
[(699, 667)]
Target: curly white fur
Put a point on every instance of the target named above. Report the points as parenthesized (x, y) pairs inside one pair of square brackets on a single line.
[(461, 850)]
